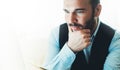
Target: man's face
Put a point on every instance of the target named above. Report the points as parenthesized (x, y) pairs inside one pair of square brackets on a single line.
[(78, 14)]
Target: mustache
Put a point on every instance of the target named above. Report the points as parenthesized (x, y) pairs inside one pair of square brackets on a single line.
[(89, 24), (76, 25)]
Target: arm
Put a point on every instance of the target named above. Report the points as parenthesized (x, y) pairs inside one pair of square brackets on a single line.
[(58, 59), (113, 59)]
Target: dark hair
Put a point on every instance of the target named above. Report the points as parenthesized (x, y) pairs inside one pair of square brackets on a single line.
[(94, 3)]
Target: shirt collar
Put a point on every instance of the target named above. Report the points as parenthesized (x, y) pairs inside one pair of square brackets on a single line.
[(96, 30)]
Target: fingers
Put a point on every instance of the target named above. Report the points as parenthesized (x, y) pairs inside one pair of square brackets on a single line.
[(85, 31), (78, 38), (86, 44), (86, 36), (87, 40)]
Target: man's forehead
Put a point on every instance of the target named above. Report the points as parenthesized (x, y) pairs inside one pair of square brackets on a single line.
[(83, 1), (76, 3)]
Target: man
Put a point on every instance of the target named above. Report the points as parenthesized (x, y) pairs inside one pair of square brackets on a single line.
[(83, 43)]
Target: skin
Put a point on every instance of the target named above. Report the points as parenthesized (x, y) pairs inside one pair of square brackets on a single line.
[(80, 12)]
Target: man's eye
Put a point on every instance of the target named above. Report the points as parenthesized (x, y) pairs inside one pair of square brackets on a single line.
[(80, 11)]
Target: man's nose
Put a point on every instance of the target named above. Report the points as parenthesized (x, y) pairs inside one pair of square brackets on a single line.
[(72, 18)]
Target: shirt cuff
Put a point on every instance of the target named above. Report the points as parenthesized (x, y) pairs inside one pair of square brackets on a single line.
[(67, 55)]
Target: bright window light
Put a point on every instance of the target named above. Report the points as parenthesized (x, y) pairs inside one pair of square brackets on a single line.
[(25, 24)]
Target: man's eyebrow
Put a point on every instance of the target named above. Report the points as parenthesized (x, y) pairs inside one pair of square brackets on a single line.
[(80, 9)]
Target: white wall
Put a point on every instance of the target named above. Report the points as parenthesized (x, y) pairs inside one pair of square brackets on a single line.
[(111, 13), (25, 26)]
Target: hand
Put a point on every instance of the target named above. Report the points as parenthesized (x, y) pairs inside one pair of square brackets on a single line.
[(78, 40)]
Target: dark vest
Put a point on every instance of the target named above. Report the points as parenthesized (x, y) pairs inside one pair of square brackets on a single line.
[(99, 50)]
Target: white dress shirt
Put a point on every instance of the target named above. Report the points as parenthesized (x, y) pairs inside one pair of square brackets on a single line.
[(62, 59)]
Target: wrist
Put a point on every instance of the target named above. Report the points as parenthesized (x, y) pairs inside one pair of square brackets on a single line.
[(71, 48)]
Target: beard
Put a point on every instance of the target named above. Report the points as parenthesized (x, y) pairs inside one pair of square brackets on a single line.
[(90, 24)]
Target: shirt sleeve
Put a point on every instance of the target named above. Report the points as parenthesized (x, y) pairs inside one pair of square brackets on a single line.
[(113, 59), (58, 59)]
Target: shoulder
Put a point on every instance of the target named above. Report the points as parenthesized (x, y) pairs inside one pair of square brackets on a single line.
[(57, 28), (54, 32), (115, 43), (116, 36)]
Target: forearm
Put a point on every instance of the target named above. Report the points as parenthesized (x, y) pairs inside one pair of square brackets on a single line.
[(62, 61), (113, 59)]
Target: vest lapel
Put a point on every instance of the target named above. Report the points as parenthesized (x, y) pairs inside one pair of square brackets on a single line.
[(99, 50)]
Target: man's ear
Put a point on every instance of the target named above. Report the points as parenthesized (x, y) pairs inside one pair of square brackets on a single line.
[(98, 10)]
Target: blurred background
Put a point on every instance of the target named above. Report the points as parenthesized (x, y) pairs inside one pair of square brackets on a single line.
[(25, 26)]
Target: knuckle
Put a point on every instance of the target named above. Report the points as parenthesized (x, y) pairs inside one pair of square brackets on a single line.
[(83, 36), (87, 43)]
